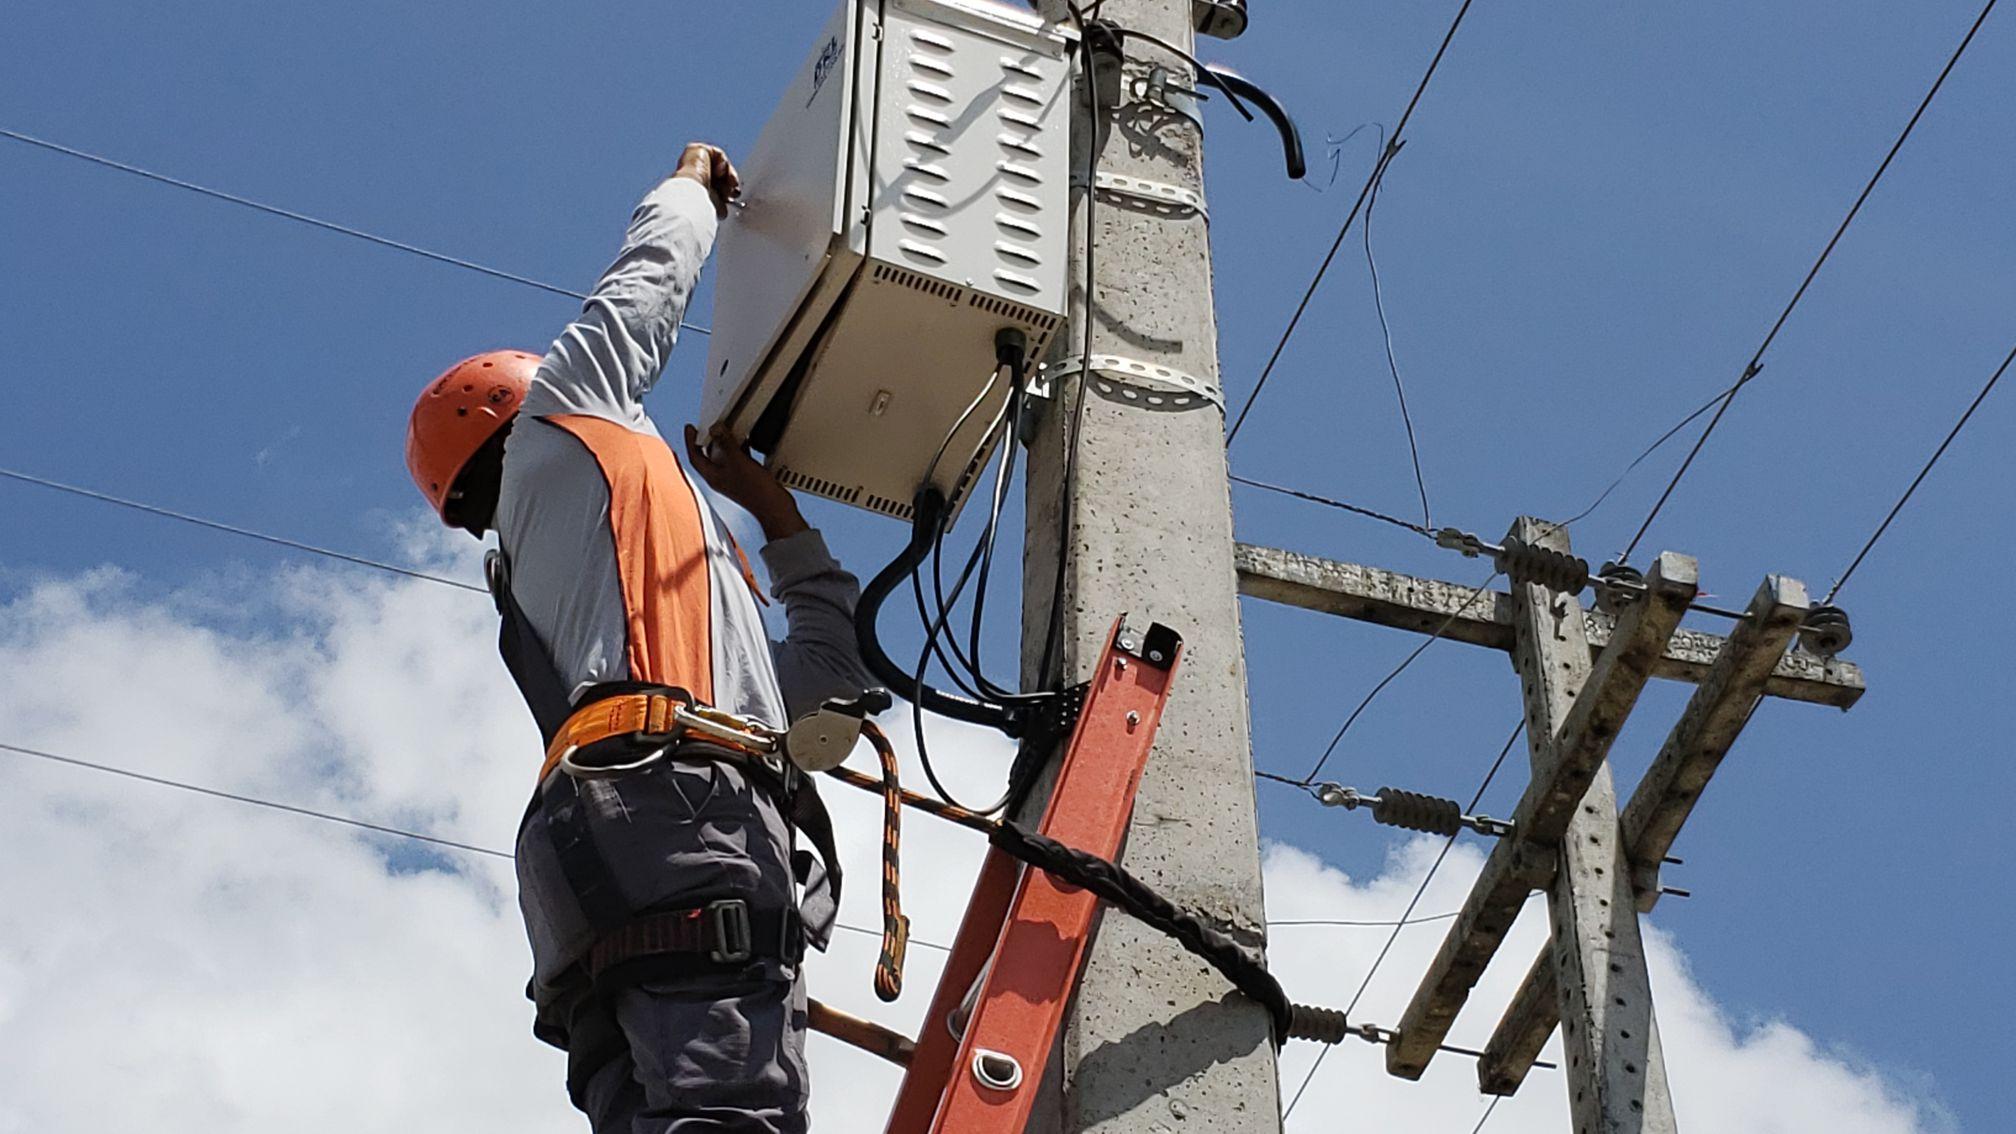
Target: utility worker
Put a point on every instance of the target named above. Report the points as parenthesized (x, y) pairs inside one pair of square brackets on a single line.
[(665, 925)]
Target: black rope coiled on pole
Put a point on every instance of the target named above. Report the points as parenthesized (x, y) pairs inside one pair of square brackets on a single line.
[(1555, 570), (1416, 812), (1110, 881)]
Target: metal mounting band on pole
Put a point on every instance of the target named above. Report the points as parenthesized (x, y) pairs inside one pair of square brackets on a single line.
[(1144, 385), (1151, 196)]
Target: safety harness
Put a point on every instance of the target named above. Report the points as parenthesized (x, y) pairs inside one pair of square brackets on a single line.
[(626, 728)]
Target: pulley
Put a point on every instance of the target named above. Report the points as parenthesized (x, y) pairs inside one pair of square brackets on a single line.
[(820, 740)]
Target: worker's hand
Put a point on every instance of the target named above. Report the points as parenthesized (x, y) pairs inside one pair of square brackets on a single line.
[(709, 165), (729, 470)]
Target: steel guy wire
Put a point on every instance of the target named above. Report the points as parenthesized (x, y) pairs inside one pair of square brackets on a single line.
[(1386, 155), (1756, 364), (1386, 334), (233, 529), (1486, 1117), (303, 218), (1447, 844), (1920, 478)]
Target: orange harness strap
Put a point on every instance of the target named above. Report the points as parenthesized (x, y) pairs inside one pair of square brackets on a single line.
[(646, 714)]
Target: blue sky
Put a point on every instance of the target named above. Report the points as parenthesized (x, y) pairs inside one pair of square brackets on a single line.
[(1599, 211)]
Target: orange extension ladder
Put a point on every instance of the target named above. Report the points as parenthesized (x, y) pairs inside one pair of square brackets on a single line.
[(1022, 942)]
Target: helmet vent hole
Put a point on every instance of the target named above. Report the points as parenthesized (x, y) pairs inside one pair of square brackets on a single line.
[(461, 411), (468, 387), (488, 365)]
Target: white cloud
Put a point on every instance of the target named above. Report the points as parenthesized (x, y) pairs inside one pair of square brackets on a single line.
[(172, 962)]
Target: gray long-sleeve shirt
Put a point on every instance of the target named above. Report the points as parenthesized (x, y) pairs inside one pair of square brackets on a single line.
[(617, 559)]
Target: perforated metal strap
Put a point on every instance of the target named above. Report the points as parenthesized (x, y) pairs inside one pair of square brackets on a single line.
[(1154, 196), (1145, 385)]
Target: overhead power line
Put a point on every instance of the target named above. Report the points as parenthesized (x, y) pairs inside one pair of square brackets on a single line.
[(1393, 363), (233, 529), (493, 852), (1386, 156), (1419, 891), (1391, 677), (1756, 363), (330, 817), (302, 218), (255, 801), (1920, 478), (1329, 503)]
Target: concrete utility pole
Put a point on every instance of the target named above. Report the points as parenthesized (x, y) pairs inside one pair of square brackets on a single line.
[(1154, 1039)]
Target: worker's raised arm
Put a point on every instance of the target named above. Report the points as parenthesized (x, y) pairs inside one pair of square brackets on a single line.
[(819, 658), (607, 359)]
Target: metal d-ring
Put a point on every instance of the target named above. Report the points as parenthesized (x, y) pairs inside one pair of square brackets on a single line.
[(611, 771)]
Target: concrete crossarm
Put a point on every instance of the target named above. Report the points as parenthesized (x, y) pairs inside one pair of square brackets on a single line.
[(1564, 764), (1389, 598), (1714, 716)]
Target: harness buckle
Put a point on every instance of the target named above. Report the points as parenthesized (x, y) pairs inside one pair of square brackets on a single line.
[(730, 940)]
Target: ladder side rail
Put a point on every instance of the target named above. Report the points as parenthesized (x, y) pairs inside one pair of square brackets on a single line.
[(1019, 1011)]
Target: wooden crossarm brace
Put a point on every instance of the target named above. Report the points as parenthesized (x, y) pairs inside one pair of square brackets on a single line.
[(1565, 761), (1408, 602), (1714, 716)]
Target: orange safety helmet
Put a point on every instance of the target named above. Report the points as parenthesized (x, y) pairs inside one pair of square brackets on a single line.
[(458, 412)]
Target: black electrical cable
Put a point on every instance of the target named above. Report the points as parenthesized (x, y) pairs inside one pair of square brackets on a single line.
[(1053, 634), (1756, 364), (1919, 479), (981, 555), (975, 686), (947, 601), (1338, 504), (1386, 155), (233, 529), (957, 673), (1009, 442), (304, 219)]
